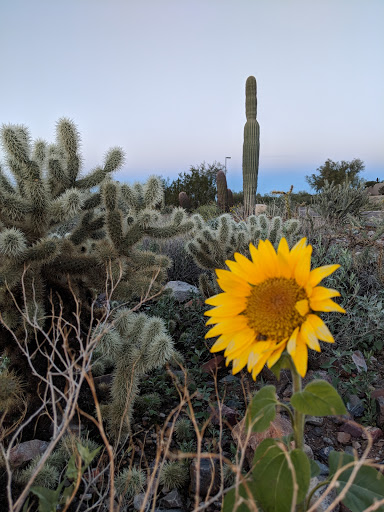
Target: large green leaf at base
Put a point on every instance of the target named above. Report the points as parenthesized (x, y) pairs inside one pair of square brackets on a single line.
[(274, 476), (233, 501), (262, 409), (366, 488), (318, 398)]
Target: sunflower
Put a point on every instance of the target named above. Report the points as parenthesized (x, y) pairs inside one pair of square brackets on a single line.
[(269, 305)]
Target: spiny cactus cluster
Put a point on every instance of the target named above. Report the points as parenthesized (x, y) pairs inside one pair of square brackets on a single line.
[(61, 232), (213, 244), (136, 344), (251, 146)]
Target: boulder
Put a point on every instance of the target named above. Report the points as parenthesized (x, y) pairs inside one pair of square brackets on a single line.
[(181, 291)]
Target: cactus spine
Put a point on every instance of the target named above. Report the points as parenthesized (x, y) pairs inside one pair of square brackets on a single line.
[(251, 146), (222, 191)]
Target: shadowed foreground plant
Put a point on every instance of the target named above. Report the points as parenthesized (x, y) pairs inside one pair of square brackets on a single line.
[(268, 313)]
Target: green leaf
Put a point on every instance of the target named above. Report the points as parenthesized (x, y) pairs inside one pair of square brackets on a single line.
[(315, 470), (280, 364), (72, 469), (367, 486), (48, 498), (230, 504), (274, 479), (87, 456), (262, 409), (318, 398)]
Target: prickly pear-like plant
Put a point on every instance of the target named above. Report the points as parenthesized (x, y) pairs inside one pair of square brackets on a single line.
[(251, 146), (222, 191), (137, 344), (212, 245), (184, 201)]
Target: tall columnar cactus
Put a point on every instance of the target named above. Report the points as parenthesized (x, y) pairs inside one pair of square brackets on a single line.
[(251, 146), (222, 191), (212, 245), (230, 198)]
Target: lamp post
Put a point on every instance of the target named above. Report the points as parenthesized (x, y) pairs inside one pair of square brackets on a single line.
[(226, 158)]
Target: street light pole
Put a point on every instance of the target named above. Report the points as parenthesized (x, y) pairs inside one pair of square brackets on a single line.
[(226, 158)]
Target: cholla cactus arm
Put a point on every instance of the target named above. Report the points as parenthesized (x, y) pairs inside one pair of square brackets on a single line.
[(39, 152), (275, 230), (5, 185), (93, 179), (113, 161), (153, 192), (66, 206), (68, 138), (92, 201)]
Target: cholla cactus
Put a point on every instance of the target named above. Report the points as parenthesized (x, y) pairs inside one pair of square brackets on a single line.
[(130, 482), (212, 245), (56, 223), (140, 344), (12, 391), (174, 474)]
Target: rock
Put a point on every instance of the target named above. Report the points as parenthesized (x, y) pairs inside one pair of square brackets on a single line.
[(380, 409), (209, 477), (26, 451), (315, 420), (324, 453), (352, 428), (374, 432), (343, 437), (228, 414), (260, 208), (213, 364), (355, 406), (327, 440), (138, 502), (308, 451), (172, 500), (324, 469), (279, 427), (328, 500), (181, 291)]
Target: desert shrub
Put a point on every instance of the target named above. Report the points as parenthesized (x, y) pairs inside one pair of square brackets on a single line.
[(208, 211), (339, 202)]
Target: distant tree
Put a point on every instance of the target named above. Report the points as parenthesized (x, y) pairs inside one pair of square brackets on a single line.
[(337, 173), (199, 183)]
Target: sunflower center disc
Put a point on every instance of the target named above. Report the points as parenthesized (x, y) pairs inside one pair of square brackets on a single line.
[(271, 308)]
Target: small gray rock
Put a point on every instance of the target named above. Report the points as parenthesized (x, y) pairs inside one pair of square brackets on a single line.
[(355, 406), (181, 291), (172, 500)]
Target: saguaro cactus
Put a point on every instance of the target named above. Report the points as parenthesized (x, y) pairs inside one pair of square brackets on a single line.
[(222, 191), (251, 146)]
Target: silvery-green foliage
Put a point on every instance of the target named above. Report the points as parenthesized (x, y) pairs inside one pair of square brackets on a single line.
[(47, 477), (362, 296), (173, 474), (130, 482), (337, 202), (183, 429)]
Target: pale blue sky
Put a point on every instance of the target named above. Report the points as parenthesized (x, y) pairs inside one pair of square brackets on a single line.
[(165, 80)]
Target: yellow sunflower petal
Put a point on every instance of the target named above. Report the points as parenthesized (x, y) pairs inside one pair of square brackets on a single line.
[(253, 271), (326, 305), (308, 334), (227, 326), (239, 363), (318, 274), (228, 282), (302, 307), (291, 345), (275, 356), (268, 255), (224, 299), (297, 252), (321, 330), (322, 293), (300, 356), (229, 310), (221, 343), (303, 266), (283, 259), (259, 366)]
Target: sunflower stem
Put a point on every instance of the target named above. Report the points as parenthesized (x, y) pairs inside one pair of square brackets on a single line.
[(298, 422)]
